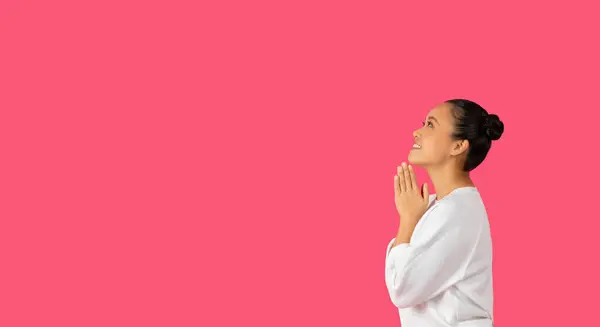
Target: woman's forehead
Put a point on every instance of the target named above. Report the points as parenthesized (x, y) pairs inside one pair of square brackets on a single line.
[(441, 112)]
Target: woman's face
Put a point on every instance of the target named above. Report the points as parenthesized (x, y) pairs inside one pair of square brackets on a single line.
[(433, 142)]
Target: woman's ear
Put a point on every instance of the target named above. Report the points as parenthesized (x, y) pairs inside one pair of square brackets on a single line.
[(459, 147)]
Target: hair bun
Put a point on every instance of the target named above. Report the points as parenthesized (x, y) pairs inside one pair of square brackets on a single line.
[(493, 127)]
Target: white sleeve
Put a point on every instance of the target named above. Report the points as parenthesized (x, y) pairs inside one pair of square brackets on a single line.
[(434, 260)]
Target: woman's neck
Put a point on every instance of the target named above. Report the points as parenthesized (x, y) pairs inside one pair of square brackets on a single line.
[(447, 179)]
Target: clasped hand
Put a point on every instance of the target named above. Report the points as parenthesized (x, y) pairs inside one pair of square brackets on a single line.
[(411, 200)]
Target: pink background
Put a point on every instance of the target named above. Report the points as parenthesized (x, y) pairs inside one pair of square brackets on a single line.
[(231, 163)]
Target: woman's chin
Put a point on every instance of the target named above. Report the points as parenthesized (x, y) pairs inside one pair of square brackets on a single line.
[(413, 159)]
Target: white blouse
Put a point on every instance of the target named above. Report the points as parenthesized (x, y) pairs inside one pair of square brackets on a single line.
[(443, 277)]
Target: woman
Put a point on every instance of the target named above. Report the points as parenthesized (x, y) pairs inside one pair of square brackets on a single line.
[(438, 268)]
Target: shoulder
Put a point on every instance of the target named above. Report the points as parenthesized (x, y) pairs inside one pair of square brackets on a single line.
[(465, 207)]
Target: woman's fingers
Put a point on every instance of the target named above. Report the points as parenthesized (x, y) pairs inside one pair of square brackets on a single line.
[(401, 179), (426, 193), (413, 178), (407, 177)]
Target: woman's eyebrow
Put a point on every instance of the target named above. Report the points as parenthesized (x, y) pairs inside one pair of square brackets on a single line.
[(434, 119)]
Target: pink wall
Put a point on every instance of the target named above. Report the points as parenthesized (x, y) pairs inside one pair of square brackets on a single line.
[(231, 163)]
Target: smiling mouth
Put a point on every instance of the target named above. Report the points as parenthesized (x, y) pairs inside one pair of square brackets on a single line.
[(416, 146)]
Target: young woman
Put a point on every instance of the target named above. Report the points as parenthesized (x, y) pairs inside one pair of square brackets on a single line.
[(438, 268)]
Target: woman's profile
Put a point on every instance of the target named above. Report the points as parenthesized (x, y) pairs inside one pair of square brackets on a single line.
[(438, 268)]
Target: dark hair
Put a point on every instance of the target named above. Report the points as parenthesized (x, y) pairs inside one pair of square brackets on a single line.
[(473, 123)]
